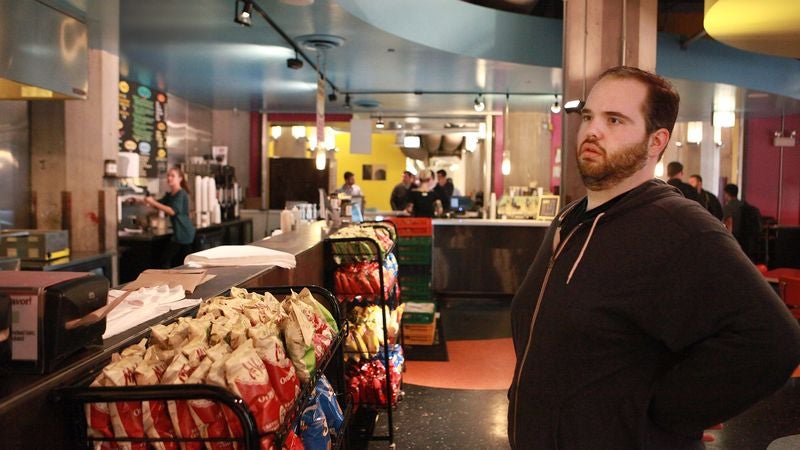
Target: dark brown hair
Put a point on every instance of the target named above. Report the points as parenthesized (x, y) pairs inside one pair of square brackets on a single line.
[(184, 183), (660, 107)]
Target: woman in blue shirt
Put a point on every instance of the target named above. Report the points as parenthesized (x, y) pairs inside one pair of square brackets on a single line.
[(175, 204)]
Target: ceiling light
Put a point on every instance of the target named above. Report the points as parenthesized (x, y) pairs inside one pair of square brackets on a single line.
[(411, 142), (298, 131), (724, 119), (479, 105), (555, 108), (379, 124), (275, 132), (694, 132), (574, 106), (243, 16), (505, 167), (347, 101), (294, 63), (332, 96), (320, 159)]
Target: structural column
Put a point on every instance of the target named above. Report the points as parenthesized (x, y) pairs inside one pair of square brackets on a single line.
[(599, 34)]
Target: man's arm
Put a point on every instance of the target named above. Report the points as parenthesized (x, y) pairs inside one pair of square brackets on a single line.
[(734, 339)]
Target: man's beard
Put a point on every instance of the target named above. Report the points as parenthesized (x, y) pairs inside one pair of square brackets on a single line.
[(614, 168)]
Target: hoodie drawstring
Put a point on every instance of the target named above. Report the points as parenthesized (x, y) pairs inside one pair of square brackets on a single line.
[(585, 244)]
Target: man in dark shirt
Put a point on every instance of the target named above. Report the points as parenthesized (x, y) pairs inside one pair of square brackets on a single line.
[(444, 188), (399, 197), (707, 199), (675, 174)]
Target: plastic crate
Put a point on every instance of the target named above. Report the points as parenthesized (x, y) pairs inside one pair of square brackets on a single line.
[(419, 312), (416, 288), (414, 255), (419, 334), (412, 226), (415, 241)]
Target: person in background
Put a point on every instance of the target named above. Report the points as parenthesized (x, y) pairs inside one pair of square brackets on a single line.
[(399, 197), (350, 187), (424, 201), (675, 174), (175, 204), (732, 211), (640, 322), (444, 188), (707, 199)]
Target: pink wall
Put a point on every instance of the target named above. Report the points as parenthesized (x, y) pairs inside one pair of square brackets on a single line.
[(762, 179)]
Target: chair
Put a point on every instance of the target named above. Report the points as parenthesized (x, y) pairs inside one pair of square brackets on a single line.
[(789, 288)]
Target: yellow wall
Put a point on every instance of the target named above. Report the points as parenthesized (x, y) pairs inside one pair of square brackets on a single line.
[(384, 152)]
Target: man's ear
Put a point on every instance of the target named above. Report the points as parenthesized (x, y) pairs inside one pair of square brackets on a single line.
[(658, 141)]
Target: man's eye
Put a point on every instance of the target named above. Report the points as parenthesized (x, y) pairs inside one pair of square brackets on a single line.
[(615, 120), (586, 118)]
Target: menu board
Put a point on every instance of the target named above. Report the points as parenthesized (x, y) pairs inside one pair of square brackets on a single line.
[(143, 126)]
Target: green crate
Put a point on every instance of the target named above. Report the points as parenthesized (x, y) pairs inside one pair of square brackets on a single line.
[(415, 241), (414, 255), (419, 312), (416, 288)]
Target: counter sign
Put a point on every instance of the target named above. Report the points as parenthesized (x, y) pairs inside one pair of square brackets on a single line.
[(143, 126)]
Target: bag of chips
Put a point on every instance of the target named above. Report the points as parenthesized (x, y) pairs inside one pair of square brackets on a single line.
[(126, 417), (155, 415), (180, 413), (98, 419), (247, 377), (207, 414), (326, 397), (314, 429)]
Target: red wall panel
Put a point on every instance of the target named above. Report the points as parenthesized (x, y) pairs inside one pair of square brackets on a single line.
[(762, 169)]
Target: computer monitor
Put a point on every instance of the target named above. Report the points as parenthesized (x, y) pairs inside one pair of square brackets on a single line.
[(460, 203)]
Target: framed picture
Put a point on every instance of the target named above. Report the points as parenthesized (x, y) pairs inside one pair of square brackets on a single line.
[(548, 207), (375, 172)]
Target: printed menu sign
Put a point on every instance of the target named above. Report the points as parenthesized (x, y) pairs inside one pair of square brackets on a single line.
[(143, 126)]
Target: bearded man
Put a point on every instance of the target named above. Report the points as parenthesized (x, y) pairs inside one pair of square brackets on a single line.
[(640, 322)]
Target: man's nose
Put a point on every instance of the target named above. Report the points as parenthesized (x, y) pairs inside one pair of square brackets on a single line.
[(590, 129)]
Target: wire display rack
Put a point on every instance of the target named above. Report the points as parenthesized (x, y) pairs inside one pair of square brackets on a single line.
[(341, 251), (77, 397)]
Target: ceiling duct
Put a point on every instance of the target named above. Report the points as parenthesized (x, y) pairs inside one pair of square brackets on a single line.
[(43, 53)]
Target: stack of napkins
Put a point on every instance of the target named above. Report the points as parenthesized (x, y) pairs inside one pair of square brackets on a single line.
[(241, 255), (142, 305)]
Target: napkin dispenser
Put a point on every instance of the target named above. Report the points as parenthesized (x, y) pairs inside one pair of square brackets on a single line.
[(46, 309)]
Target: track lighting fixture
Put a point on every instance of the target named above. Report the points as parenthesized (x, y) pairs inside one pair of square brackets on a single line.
[(379, 124), (574, 106), (332, 96), (294, 63), (479, 105), (243, 16), (347, 101), (555, 108)]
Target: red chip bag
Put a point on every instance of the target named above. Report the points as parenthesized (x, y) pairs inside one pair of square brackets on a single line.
[(157, 424), (248, 378), (292, 442), (180, 414), (98, 419)]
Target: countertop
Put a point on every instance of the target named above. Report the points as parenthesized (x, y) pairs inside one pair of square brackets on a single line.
[(153, 235), (492, 222), (17, 390)]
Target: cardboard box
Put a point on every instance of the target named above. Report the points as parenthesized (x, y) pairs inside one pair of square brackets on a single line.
[(419, 311), (419, 334)]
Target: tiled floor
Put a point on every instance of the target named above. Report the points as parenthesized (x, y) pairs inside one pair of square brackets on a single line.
[(460, 419)]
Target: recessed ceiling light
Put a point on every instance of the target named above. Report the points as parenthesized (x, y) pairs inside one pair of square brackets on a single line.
[(367, 103)]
